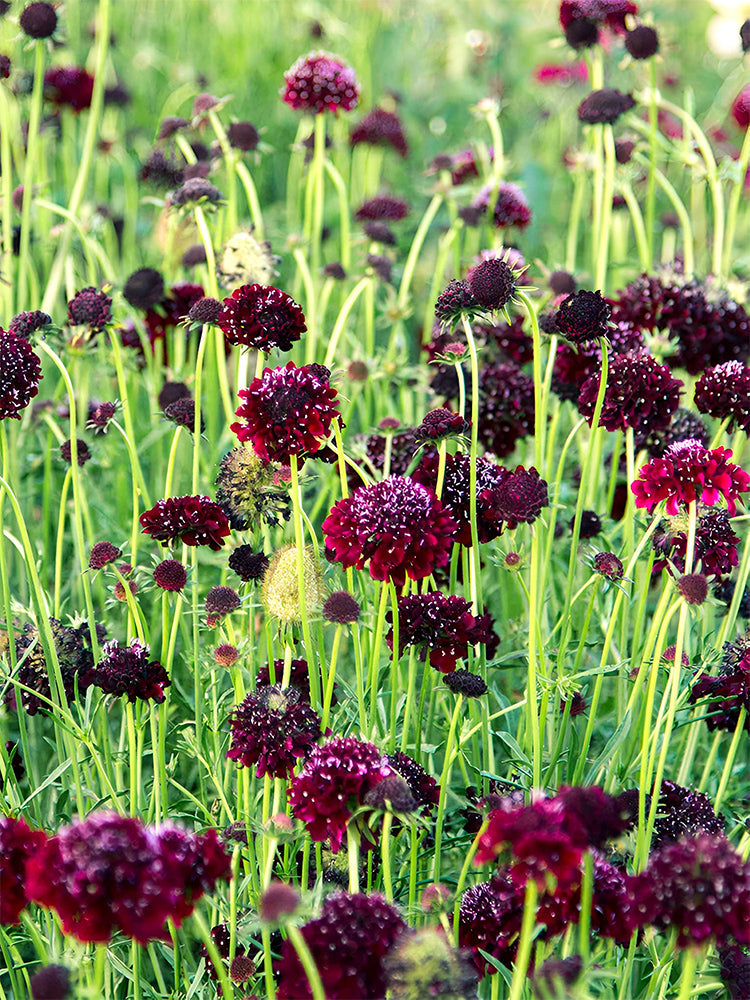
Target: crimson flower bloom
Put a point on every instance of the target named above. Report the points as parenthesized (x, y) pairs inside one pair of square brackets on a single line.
[(333, 783), (109, 873), (741, 108), (272, 728), (380, 128), (724, 391), (397, 525), (20, 375), (320, 82), (68, 85), (194, 520), (490, 920), (442, 626), (18, 844), (128, 670), (287, 411), (262, 317), (688, 472)]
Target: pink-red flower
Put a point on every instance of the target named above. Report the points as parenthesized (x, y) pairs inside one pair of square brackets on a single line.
[(18, 844), (320, 82), (441, 625), (261, 317), (689, 472), (194, 520), (20, 375), (272, 728)]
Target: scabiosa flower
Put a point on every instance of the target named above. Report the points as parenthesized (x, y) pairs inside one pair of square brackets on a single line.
[(26, 323), (699, 886), (518, 497), (109, 873), (439, 424), (144, 288), (101, 415), (82, 452), (72, 644), (604, 107), (50, 983), (397, 526), (724, 391), (454, 301), (38, 20), (725, 695), (341, 608), (20, 375), (220, 601), (193, 520), (735, 961), (91, 308), (465, 683), (455, 493), (128, 670), (490, 920), (287, 411), (511, 207), (197, 191), (248, 565), (382, 207), (69, 86), (261, 317), (361, 930), (170, 575), (280, 590), (423, 787), (492, 282), (182, 413), (272, 728), (18, 844), (690, 472), (440, 625), (320, 82), (715, 544), (683, 813), (333, 783), (741, 108), (642, 42), (583, 316), (103, 553), (608, 565), (380, 128), (640, 393), (684, 425), (226, 655), (506, 407)]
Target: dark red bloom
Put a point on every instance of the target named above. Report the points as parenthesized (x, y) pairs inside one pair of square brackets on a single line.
[(20, 375), (360, 930), (725, 695), (248, 565), (683, 813), (26, 323), (109, 873), (613, 910), (611, 13), (506, 407), (287, 411), (689, 472), (380, 128), (440, 424), (90, 307), (243, 135), (382, 207), (172, 310), (442, 626), (82, 452), (741, 107), (341, 608), (220, 601), (193, 520), (333, 783), (261, 317), (128, 670), (608, 565), (465, 683), (715, 545), (38, 20), (575, 364), (454, 301), (490, 920), (69, 86), (144, 288), (320, 82), (492, 282), (103, 553), (735, 961), (603, 817), (170, 574), (583, 316), (640, 393), (197, 191), (397, 525), (182, 413), (422, 786), (18, 844), (642, 42), (724, 391), (299, 677), (684, 425), (272, 728), (518, 498), (50, 983), (604, 107), (101, 415), (73, 647), (511, 207), (700, 887)]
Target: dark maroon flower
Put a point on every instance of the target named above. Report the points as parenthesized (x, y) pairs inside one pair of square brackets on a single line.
[(109, 873), (690, 472), (193, 520), (422, 786), (490, 920), (642, 42), (392, 794), (613, 909), (272, 728), (26, 323), (182, 413), (575, 364), (700, 887), (243, 136), (320, 82), (640, 393), (583, 316), (725, 695), (50, 983), (441, 626), (38, 20), (170, 575), (381, 265), (397, 525), (69, 86), (577, 704), (518, 498), (18, 844), (248, 565), (382, 207), (379, 232), (455, 494), (591, 524), (144, 288), (724, 391), (581, 33), (492, 283), (608, 565), (103, 553), (162, 172), (220, 601), (82, 452), (128, 670), (562, 283), (683, 813), (91, 308), (341, 608), (735, 960), (693, 588), (20, 375), (741, 108), (709, 329), (101, 415), (609, 13), (506, 407), (205, 311), (287, 411), (261, 317), (465, 683), (278, 901), (197, 191), (603, 817), (511, 207), (361, 930), (172, 310), (73, 647), (454, 301), (437, 425), (299, 677), (380, 128), (684, 425), (604, 107), (333, 783)]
